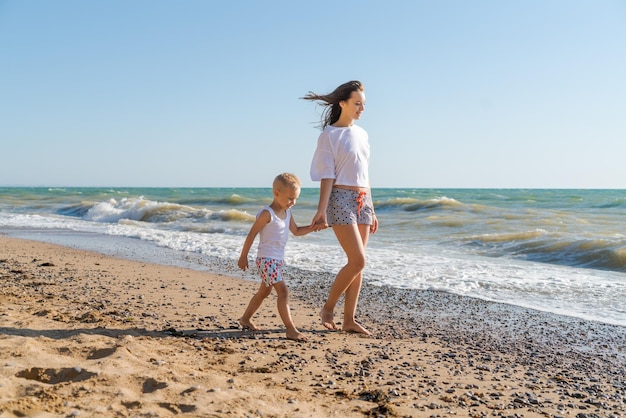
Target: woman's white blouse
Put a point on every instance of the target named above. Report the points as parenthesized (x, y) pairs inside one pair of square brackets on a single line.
[(342, 154)]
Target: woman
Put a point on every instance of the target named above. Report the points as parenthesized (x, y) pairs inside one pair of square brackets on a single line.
[(340, 164)]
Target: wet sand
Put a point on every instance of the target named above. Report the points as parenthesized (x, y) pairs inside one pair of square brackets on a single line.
[(83, 334)]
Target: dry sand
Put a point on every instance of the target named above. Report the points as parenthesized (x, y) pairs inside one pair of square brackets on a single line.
[(86, 335)]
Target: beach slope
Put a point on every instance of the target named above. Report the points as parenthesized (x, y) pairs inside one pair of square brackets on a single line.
[(82, 334)]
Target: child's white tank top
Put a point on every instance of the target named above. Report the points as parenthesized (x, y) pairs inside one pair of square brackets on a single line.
[(273, 237)]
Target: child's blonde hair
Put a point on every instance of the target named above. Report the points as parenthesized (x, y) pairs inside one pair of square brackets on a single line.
[(285, 180)]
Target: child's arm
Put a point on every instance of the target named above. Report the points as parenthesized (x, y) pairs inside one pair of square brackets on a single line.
[(261, 220), (303, 230)]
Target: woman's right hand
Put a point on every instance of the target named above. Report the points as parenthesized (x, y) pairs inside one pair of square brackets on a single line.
[(319, 221)]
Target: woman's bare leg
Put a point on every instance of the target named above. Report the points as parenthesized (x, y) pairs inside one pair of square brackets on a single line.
[(352, 239), (353, 291)]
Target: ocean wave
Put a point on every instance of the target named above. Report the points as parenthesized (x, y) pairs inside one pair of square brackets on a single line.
[(137, 209), (412, 205), (508, 237), (149, 211), (617, 203), (591, 253), (77, 210), (232, 215), (232, 200), (540, 246)]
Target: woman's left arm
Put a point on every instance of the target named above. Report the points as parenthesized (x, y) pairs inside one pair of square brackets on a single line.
[(374, 225)]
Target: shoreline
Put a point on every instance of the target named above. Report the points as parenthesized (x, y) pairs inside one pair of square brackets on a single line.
[(155, 339)]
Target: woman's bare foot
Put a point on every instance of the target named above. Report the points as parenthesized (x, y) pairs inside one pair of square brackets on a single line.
[(248, 325), (296, 335), (355, 327), (328, 320)]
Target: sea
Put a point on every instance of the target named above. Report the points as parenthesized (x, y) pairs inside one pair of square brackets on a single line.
[(559, 251)]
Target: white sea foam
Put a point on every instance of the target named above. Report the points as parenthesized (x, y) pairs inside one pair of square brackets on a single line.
[(589, 294)]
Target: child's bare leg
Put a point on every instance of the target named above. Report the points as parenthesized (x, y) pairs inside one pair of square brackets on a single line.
[(253, 306), (285, 313)]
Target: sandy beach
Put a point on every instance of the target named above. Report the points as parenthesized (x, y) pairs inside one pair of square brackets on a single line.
[(83, 334)]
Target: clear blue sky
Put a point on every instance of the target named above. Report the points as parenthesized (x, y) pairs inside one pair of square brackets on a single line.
[(205, 93)]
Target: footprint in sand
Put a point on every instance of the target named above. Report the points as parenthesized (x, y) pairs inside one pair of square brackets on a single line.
[(55, 376), (151, 385), (101, 353)]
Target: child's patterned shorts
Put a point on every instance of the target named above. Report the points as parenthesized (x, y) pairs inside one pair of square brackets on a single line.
[(270, 270)]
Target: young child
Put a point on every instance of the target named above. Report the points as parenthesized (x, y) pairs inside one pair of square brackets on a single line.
[(273, 223)]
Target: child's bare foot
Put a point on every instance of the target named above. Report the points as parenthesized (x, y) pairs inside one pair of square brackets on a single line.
[(296, 335), (328, 320), (248, 325), (355, 327)]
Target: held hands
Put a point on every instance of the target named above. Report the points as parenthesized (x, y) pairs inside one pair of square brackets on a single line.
[(318, 226), (319, 221)]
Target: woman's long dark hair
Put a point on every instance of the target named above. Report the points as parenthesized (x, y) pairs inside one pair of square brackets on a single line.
[(330, 101)]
